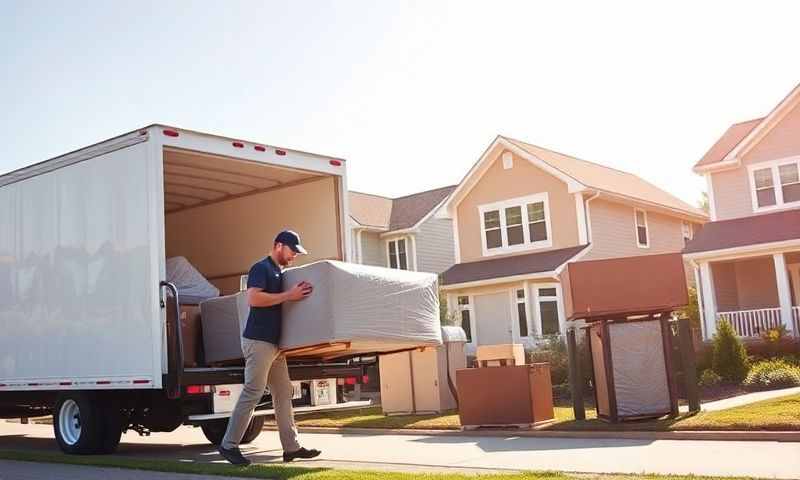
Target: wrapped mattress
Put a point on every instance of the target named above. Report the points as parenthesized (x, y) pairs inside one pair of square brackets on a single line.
[(192, 286), (359, 309)]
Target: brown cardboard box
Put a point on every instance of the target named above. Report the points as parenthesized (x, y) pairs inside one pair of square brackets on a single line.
[(513, 395), (500, 355), (191, 332)]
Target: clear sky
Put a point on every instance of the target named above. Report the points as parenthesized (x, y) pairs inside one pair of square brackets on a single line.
[(411, 93)]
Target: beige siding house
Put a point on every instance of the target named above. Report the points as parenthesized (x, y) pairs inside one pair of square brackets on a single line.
[(522, 213), (401, 232), (747, 259)]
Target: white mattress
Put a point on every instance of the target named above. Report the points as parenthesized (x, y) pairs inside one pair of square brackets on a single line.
[(373, 309), (193, 288)]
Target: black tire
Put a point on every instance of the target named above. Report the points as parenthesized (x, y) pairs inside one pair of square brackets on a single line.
[(83, 421), (214, 430), (111, 428)]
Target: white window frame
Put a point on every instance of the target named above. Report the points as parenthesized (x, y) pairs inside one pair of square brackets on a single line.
[(409, 263), (526, 245), (687, 230), (636, 227), (537, 299), (773, 165), (471, 309), (523, 301)]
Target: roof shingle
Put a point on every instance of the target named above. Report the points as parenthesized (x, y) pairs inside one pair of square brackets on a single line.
[(728, 141), (746, 231), (398, 213)]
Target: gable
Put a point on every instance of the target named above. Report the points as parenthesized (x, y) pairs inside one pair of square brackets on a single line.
[(782, 141)]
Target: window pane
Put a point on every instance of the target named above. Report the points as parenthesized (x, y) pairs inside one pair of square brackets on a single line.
[(547, 292), (463, 300), (641, 233), (392, 261), (493, 239), (763, 177), (640, 218), (401, 246), (549, 315), (392, 248), (514, 216), (491, 219), (523, 320), (521, 294), (535, 211), (465, 325), (538, 231), (515, 235), (791, 193), (402, 261), (766, 197), (788, 173)]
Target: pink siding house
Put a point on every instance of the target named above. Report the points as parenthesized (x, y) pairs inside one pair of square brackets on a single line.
[(747, 259)]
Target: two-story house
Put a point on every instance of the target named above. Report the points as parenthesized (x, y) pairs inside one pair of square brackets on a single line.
[(747, 259), (401, 232), (522, 213)]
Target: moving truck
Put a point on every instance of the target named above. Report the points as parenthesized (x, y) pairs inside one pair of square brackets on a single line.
[(89, 325)]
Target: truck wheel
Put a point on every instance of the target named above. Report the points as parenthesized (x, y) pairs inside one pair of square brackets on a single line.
[(215, 430), (77, 423), (111, 429)]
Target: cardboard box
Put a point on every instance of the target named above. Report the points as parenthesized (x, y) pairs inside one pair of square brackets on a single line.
[(191, 332), (500, 355)]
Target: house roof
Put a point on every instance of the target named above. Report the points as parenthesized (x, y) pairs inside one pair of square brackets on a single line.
[(495, 268), (395, 213), (746, 231), (607, 179), (728, 141)]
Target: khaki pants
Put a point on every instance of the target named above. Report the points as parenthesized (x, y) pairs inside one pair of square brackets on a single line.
[(263, 366)]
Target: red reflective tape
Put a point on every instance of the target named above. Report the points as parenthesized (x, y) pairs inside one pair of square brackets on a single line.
[(171, 133), (238, 144), (103, 382), (3, 385), (224, 393), (139, 382), (260, 148), (336, 163), (280, 152)]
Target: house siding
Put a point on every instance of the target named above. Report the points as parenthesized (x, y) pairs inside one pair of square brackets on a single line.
[(373, 249), (498, 184), (745, 284), (434, 241)]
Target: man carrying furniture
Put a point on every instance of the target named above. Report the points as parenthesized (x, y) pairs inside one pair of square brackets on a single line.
[(264, 365)]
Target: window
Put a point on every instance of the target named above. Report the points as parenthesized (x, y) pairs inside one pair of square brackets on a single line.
[(687, 230), (514, 225), (398, 258), (522, 315), (775, 184), (464, 311), (548, 311), (642, 235)]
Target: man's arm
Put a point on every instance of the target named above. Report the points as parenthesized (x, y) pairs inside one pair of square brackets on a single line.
[(257, 297)]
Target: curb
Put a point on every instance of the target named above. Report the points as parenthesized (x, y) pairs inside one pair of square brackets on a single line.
[(730, 435)]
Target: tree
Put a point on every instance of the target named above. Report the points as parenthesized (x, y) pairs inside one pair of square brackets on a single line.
[(703, 203), (730, 357)]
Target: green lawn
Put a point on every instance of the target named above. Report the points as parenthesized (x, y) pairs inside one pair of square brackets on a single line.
[(777, 414), (279, 472)]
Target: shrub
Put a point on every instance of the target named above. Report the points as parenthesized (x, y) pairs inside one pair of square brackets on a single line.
[(729, 359), (692, 309), (554, 352), (772, 374), (709, 378)]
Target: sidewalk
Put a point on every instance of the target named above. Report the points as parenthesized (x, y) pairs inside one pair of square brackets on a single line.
[(745, 399)]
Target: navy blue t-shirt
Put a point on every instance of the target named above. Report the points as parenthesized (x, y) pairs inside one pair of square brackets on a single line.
[(264, 323)]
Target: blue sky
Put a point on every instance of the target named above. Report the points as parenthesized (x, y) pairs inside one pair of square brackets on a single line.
[(411, 93)]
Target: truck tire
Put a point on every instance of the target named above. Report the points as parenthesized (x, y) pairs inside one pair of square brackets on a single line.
[(77, 422), (111, 428), (214, 430)]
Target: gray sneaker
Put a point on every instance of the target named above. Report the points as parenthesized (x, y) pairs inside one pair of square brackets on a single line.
[(233, 455)]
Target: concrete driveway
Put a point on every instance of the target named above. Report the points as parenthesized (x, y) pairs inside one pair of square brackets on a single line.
[(465, 453)]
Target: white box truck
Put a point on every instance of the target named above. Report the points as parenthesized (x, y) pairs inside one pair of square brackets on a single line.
[(90, 327)]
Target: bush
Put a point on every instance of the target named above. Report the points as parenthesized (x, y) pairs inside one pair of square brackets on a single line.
[(554, 352), (772, 374), (709, 378), (729, 359)]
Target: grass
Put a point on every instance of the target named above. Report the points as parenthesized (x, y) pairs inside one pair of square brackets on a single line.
[(302, 473), (780, 414)]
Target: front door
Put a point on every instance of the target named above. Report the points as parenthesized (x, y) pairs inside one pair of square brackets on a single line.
[(493, 318)]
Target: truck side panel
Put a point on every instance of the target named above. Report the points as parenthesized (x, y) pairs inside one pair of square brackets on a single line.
[(77, 280)]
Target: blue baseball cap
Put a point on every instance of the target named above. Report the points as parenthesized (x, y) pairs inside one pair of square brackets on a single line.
[(292, 240)]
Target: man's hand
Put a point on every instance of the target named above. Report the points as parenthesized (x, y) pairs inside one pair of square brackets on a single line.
[(300, 291)]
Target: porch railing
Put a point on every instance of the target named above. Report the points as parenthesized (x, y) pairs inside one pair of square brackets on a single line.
[(750, 323)]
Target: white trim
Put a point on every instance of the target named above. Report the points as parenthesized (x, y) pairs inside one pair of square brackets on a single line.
[(360, 245), (485, 161), (767, 124), (698, 290), (531, 330), (712, 203), (501, 280), (472, 322), (717, 167), (414, 250), (742, 252), (559, 306), (773, 166), (589, 215), (580, 210), (508, 161), (709, 299), (636, 227), (404, 238), (516, 331), (527, 244), (784, 292), (456, 243)]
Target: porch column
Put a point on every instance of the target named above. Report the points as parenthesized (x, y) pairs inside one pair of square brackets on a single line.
[(700, 302), (784, 294), (709, 299)]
